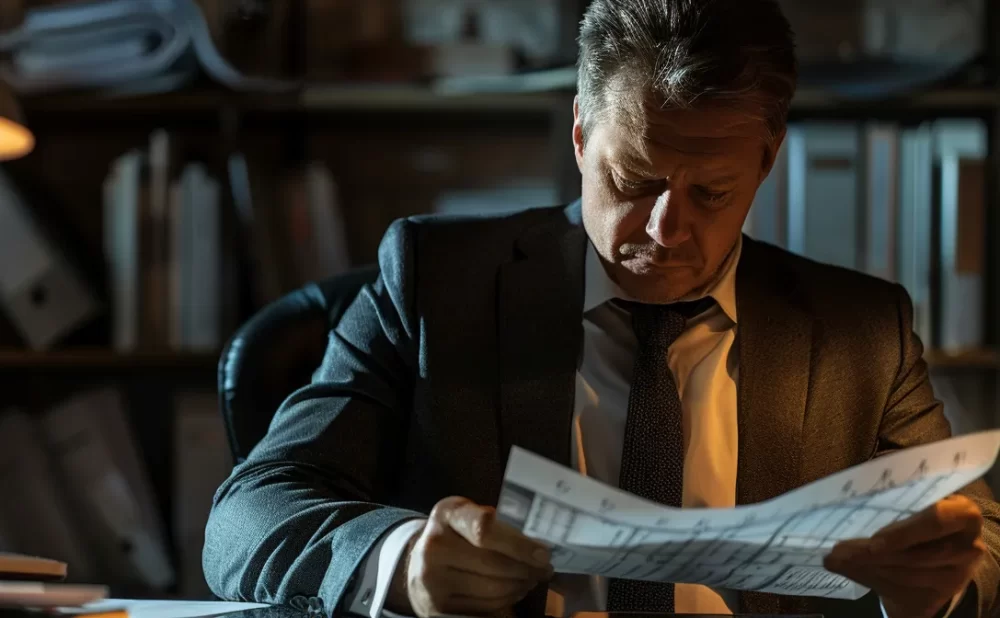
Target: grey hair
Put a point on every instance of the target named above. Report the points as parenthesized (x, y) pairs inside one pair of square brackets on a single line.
[(684, 52)]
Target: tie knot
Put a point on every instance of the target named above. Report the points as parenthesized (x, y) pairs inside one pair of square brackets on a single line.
[(663, 324)]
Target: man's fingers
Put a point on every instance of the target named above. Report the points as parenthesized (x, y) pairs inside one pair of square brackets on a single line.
[(458, 592), (463, 556), (916, 566), (951, 515), (955, 549), (894, 582), (479, 526), (475, 586), (947, 579)]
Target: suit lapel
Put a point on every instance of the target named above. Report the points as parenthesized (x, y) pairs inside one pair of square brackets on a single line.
[(540, 304), (775, 345)]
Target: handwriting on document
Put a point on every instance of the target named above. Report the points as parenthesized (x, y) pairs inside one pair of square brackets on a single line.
[(774, 546)]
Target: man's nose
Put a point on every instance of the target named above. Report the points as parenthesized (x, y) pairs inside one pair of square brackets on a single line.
[(667, 225)]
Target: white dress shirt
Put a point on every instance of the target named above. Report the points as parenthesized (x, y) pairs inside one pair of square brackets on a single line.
[(705, 364)]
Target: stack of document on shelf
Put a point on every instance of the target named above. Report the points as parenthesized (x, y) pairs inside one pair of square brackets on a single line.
[(120, 46), (775, 546)]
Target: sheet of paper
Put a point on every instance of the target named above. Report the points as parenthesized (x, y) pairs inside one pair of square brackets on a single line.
[(171, 609), (774, 546)]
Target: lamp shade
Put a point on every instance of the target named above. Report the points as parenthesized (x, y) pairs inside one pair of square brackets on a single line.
[(15, 138)]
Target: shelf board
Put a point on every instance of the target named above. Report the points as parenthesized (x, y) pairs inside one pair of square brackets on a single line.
[(332, 98), (413, 98), (985, 358), (315, 99), (108, 360), (952, 99), (197, 101)]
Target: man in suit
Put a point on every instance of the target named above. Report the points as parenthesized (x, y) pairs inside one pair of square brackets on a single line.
[(635, 335)]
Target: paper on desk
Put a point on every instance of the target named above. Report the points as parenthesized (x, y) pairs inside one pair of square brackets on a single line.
[(774, 546), (171, 609)]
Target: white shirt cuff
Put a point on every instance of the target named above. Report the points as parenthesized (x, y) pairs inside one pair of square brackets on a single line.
[(951, 608), (376, 571)]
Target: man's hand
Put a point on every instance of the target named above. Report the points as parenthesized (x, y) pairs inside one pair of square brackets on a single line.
[(466, 562), (916, 566)]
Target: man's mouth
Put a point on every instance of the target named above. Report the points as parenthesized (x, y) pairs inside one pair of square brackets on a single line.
[(648, 264)]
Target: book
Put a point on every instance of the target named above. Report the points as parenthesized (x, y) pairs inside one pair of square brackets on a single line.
[(20, 566), (824, 191), (44, 595), (960, 154)]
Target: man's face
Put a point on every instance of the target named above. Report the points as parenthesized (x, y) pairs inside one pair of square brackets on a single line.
[(666, 192)]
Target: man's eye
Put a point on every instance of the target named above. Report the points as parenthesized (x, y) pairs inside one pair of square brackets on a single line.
[(712, 199)]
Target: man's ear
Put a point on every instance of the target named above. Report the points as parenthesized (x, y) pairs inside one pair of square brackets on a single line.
[(577, 134), (771, 155)]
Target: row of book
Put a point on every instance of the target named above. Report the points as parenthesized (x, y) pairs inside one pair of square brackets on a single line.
[(180, 241), (76, 488), (907, 204)]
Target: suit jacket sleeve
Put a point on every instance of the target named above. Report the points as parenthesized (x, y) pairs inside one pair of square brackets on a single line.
[(913, 416), (298, 517)]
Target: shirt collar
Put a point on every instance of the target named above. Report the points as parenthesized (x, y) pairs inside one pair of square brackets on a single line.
[(599, 288)]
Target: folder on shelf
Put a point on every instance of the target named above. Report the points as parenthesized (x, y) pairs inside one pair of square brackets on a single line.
[(99, 462), (42, 294), (35, 516)]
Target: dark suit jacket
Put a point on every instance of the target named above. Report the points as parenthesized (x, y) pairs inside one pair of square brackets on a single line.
[(469, 343)]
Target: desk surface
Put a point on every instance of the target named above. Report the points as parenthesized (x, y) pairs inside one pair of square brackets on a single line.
[(212, 609)]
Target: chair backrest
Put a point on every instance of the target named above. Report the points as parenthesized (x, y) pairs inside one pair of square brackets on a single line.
[(276, 352)]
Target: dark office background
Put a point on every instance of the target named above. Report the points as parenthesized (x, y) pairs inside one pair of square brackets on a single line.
[(195, 161)]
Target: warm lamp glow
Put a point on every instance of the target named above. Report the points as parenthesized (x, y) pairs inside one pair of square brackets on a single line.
[(15, 138)]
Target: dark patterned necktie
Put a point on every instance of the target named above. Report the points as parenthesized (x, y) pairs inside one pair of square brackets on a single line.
[(653, 451)]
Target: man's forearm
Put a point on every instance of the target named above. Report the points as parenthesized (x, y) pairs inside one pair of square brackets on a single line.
[(276, 533)]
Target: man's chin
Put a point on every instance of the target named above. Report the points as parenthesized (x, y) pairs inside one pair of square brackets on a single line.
[(658, 285)]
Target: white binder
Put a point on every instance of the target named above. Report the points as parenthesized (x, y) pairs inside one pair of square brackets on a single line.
[(42, 294)]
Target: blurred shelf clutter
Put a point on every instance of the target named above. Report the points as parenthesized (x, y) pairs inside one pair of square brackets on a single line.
[(855, 50), (173, 274), (908, 204), (77, 489), (178, 241)]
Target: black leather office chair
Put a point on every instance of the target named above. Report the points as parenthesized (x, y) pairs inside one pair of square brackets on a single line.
[(276, 352)]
